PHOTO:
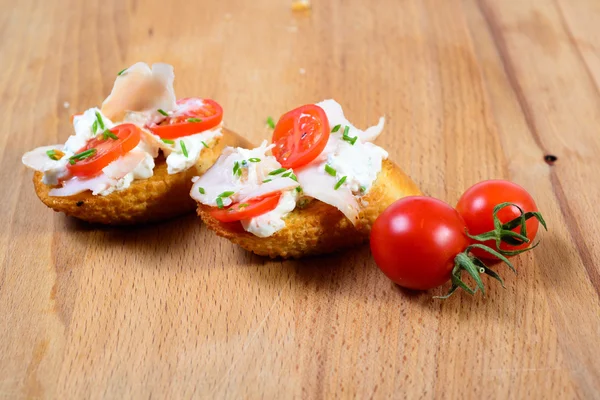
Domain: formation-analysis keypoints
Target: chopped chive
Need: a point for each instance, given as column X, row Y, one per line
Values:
column 298, row 189
column 350, row 140
column 267, row 180
column 236, row 169
column 346, row 130
column 244, row 163
column 168, row 141
column 270, row 122
column 226, row 194
column 194, row 120
column 363, row 189
column 340, row 182
column 336, row 128
column 329, row 170
column 201, row 190
column 163, row 112
column 52, row 154
column 243, row 205
column 277, row 171
column 108, row 134
column 99, row 119
column 254, row 159
column 121, row 72
column 183, row 148
column 219, row 202
column 286, row 174
column 83, row 155
column 95, row 126
column 293, row 176
column 204, row 144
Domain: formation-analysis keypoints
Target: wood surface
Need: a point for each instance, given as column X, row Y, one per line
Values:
column 473, row 89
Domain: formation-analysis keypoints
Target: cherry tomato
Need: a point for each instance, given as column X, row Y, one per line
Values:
column 415, row 240
column 247, row 209
column 192, row 116
column 477, row 204
column 103, row 150
column 300, row 136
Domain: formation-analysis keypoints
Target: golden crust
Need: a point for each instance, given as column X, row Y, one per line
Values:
column 320, row 228
column 160, row 197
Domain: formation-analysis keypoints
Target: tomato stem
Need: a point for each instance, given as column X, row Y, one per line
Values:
column 474, row 267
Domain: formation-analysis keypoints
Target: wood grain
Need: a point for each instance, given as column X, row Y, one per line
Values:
column 472, row 89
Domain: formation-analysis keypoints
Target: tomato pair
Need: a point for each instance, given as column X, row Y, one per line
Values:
column 299, row 137
column 199, row 115
column 421, row 242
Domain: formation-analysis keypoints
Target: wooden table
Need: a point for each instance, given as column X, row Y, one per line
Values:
column 472, row 90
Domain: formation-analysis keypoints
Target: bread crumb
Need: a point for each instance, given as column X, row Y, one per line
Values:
column 300, row 5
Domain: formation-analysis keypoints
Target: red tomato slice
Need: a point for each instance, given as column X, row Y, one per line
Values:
column 247, row 209
column 300, row 136
column 103, row 150
column 208, row 113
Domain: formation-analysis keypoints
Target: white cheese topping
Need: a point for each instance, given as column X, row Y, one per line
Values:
column 351, row 167
column 253, row 177
column 177, row 161
column 267, row 224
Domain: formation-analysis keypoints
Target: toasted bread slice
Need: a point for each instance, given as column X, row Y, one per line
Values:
column 319, row 227
column 159, row 197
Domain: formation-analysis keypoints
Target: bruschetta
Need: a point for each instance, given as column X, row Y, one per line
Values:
column 131, row 160
column 317, row 188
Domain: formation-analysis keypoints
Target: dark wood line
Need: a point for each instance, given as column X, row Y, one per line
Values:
column 572, row 227
column 573, row 42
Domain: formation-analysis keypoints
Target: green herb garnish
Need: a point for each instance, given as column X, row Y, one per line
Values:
column 267, row 180
column 254, row 159
column 236, row 169
column 163, row 112
column 298, row 189
column 194, row 120
column 183, row 148
column 340, row 183
column 108, row 134
column 52, row 154
column 336, row 128
column 329, row 170
column 348, row 138
column 81, row 156
column 277, row 171
column 292, row 176
column 168, row 141
column 95, row 126
column 204, row 144
column 243, row 205
column 121, row 72
column 99, row 119
column 226, row 194
column 270, row 122
column 363, row 189
column 201, row 190
column 219, row 202
column 286, row 174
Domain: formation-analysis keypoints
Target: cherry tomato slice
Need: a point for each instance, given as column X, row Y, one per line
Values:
column 192, row 116
column 106, row 150
column 300, row 136
column 247, row 209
